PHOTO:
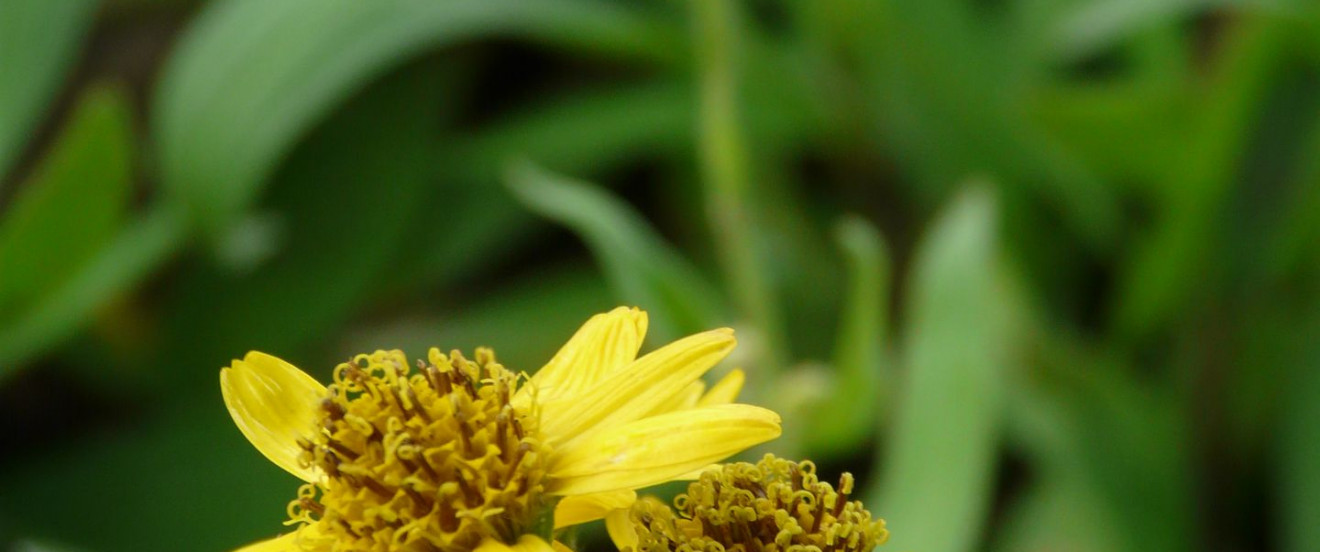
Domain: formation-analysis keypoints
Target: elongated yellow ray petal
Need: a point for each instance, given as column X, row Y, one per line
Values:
column 620, row 528
column 573, row 510
column 274, row 404
column 526, row 543
column 283, row 543
column 636, row 390
column 724, row 391
column 604, row 344
column 657, row 449
column 683, row 400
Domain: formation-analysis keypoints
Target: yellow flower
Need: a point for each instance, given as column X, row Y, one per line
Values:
column 460, row 455
column 772, row 506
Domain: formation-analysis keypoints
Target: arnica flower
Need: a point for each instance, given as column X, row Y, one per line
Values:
column 459, row 455
column 772, row 506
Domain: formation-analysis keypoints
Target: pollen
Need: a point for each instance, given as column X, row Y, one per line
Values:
column 435, row 458
column 774, row 505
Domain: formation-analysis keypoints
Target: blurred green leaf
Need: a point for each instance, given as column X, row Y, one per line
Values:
column 555, row 301
column 1062, row 508
column 39, row 39
column 72, row 204
column 340, row 211
column 1121, row 441
column 851, row 412
column 643, row 269
column 184, row 478
column 64, row 244
column 939, row 462
column 1099, row 24
column 1170, row 267
column 252, row 76
column 1298, row 446
column 136, row 249
column 584, row 131
column 951, row 98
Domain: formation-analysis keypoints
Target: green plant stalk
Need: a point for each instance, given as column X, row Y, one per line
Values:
column 723, row 162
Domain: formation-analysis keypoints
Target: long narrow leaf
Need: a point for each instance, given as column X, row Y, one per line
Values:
column 639, row 264
column 940, row 463
column 252, row 76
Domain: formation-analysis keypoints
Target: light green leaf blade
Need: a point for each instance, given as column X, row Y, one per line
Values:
column 39, row 39
column 940, row 463
column 643, row 269
column 252, row 76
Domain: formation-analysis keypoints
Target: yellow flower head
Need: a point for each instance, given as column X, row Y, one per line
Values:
column 774, row 505
column 460, row 455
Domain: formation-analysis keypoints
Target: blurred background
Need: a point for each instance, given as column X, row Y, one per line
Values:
column 1044, row 274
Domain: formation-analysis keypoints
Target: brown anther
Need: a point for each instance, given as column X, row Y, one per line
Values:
column 471, row 496
column 309, row 504
column 376, row 486
column 342, row 449
column 421, row 504
column 464, row 432
column 333, row 408
column 420, row 411
column 448, row 517
column 518, row 429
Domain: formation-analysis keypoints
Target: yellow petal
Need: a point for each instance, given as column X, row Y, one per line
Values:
column 573, row 510
column 561, row 547
column 637, row 390
column 660, row 448
column 526, row 543
column 273, row 404
column 620, row 527
column 724, row 391
column 685, row 399
column 606, row 343
column 283, row 543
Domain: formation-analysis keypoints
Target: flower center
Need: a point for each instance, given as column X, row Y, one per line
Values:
column 775, row 505
column 433, row 459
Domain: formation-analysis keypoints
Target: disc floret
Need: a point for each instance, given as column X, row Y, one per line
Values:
column 774, row 505
column 436, row 458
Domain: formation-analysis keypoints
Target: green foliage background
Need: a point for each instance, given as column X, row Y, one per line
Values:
column 1044, row 273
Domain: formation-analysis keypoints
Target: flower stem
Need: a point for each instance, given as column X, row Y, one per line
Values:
column 724, row 167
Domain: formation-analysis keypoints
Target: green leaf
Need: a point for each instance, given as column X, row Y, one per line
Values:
column 940, row 460
column 71, row 206
column 851, row 411
column 64, row 244
column 948, row 95
column 252, row 76
column 642, row 268
column 39, row 39
column 135, row 250
column 1170, row 266
column 335, row 217
column 1299, row 449
column 555, row 302
column 1116, row 439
